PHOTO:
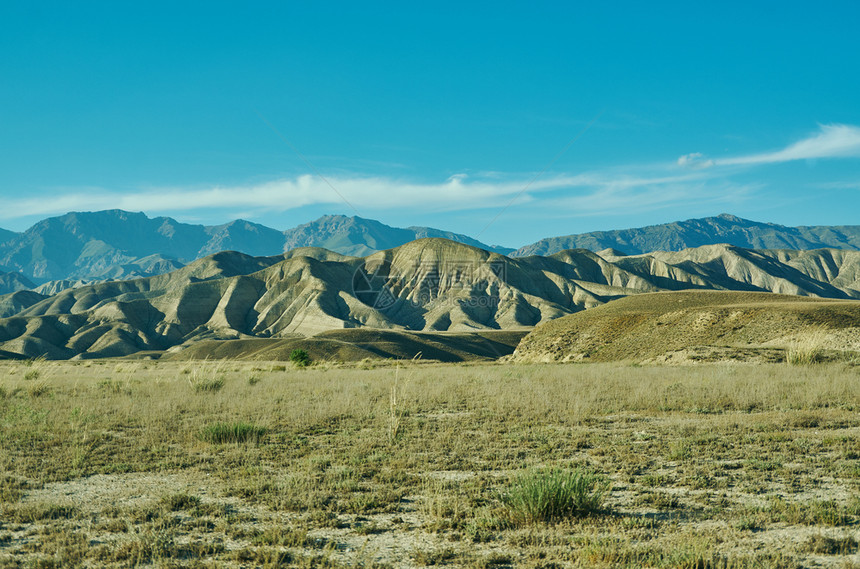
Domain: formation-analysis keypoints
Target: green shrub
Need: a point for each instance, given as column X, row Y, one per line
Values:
column 232, row 433
column 300, row 358
column 548, row 495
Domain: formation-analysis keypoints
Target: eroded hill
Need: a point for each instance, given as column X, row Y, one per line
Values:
column 428, row 285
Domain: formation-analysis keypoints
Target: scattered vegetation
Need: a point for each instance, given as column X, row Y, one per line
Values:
column 827, row 545
column 593, row 465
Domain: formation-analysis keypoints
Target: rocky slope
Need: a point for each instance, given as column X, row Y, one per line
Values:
column 12, row 282
column 358, row 236
column 6, row 235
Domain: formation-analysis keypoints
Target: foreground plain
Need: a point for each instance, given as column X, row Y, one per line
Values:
column 248, row 464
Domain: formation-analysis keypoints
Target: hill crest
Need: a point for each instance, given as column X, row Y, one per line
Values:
column 685, row 327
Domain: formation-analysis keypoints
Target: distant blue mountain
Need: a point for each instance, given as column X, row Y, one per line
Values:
column 117, row 244
column 681, row 235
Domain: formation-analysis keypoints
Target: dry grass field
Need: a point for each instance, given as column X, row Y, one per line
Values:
column 248, row 464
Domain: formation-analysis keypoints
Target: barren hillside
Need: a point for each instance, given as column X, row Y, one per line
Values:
column 697, row 326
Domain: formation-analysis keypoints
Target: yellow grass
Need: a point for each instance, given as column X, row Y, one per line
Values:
column 808, row 348
column 710, row 466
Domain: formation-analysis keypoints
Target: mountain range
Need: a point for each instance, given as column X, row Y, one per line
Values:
column 117, row 244
column 429, row 285
column 723, row 228
column 78, row 248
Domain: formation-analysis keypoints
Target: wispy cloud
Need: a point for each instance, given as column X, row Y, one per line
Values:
column 366, row 193
column 831, row 141
column 624, row 189
column 695, row 161
column 459, row 192
column 614, row 199
column 846, row 185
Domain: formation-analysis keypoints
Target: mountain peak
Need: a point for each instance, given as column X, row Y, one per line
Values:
column 358, row 236
column 732, row 218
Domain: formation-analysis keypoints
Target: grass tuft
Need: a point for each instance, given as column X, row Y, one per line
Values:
column 824, row 544
column 201, row 385
column 549, row 495
column 39, row 388
column 238, row 432
column 206, row 377
column 176, row 502
column 38, row 512
column 807, row 350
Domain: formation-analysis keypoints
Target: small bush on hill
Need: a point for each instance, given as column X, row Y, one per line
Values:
column 300, row 358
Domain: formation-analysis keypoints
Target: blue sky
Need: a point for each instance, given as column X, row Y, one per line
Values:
column 506, row 121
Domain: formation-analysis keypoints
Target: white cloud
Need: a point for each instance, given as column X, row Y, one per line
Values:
column 695, row 161
column 622, row 189
column 832, row 141
column 458, row 192
column 635, row 195
column 363, row 193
